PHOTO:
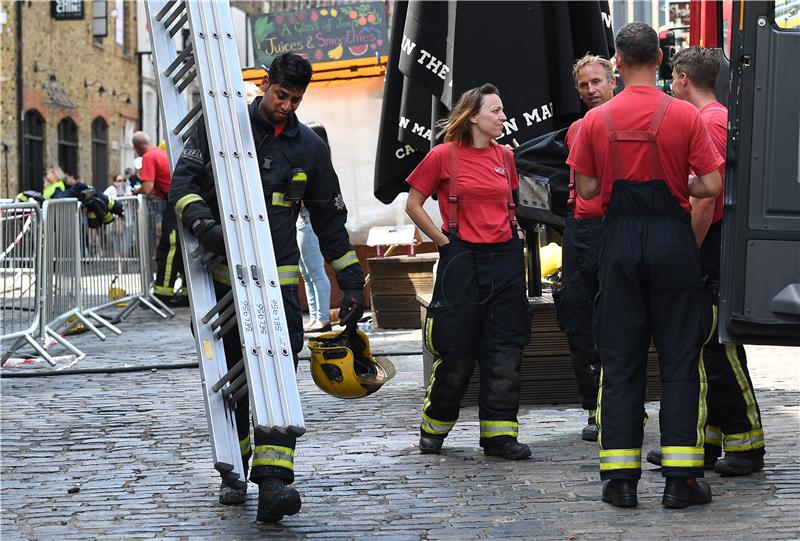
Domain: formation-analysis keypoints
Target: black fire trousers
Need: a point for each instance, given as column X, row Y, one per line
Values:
column 169, row 260
column 479, row 310
column 575, row 301
column 273, row 454
column 650, row 285
column 734, row 418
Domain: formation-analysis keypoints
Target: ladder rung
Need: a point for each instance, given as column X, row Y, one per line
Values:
column 236, row 385
column 226, row 328
column 224, row 317
column 238, row 395
column 188, row 132
column 181, row 72
column 219, row 306
column 187, row 80
column 230, row 374
column 189, row 116
column 178, row 25
column 178, row 59
column 165, row 9
column 174, row 15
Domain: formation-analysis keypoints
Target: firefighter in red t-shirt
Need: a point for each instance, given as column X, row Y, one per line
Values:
column 734, row 419
column 635, row 152
column 156, row 180
column 594, row 79
column 479, row 308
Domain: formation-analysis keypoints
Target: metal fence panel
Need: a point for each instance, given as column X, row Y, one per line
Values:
column 20, row 260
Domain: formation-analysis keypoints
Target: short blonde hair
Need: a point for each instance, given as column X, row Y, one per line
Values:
column 456, row 127
column 58, row 172
column 589, row 59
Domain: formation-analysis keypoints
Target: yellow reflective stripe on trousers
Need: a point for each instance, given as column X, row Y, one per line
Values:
column 346, row 260
column 492, row 429
column 279, row 200
column 429, row 336
column 434, row 426
column 682, row 457
column 289, row 274
column 244, row 446
column 273, row 455
column 713, row 435
column 744, row 442
column 620, row 459
column 427, row 402
column 183, row 202
column 732, row 354
column 702, row 410
column 173, row 248
column 163, row 291
column 597, row 416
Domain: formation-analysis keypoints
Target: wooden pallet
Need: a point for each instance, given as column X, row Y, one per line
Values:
column 547, row 374
column 395, row 283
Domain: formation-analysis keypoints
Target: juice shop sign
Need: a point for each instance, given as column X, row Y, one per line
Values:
column 322, row 34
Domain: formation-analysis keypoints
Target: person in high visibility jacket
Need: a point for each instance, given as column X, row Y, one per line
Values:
column 734, row 418
column 54, row 185
column 634, row 152
column 295, row 168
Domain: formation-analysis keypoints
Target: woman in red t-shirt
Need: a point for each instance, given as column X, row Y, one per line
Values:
column 480, row 307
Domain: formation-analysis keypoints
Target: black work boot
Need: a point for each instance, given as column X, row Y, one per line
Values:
column 276, row 500
column 589, row 432
column 232, row 492
column 621, row 492
column 738, row 464
column 428, row 445
column 510, row 450
column 680, row 492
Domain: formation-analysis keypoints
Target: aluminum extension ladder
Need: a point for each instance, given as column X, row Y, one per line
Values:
column 255, row 303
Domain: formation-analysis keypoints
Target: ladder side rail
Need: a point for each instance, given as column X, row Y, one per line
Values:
column 210, row 350
column 248, row 240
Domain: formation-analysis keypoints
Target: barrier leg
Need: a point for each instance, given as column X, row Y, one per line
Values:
column 46, row 356
column 64, row 342
column 163, row 306
column 83, row 319
column 17, row 343
column 103, row 322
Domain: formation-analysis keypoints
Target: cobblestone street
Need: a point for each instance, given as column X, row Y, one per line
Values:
column 126, row 456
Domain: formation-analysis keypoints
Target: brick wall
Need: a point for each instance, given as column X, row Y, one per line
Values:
column 59, row 59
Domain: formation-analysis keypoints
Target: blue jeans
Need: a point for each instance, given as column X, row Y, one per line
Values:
column 312, row 267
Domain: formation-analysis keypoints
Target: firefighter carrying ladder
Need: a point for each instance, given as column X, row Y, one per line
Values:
column 255, row 303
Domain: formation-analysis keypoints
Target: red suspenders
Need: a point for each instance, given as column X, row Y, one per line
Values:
column 452, row 198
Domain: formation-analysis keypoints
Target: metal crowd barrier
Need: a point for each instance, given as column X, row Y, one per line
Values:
column 20, row 265
column 116, row 263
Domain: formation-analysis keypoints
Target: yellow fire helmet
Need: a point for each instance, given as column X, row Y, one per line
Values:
column 342, row 365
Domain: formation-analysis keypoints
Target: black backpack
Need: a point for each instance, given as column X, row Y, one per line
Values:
column 543, row 180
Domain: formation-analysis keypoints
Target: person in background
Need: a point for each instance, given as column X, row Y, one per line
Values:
column 119, row 187
column 595, row 82
column 312, row 264
column 479, row 308
column 156, row 180
column 734, row 418
column 635, row 152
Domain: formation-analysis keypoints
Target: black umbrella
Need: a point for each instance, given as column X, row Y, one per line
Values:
column 527, row 49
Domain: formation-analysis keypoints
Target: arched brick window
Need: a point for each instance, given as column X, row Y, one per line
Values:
column 99, row 153
column 68, row 146
column 33, row 151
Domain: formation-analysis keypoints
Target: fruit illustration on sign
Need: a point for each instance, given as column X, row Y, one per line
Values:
column 319, row 55
column 336, row 52
column 358, row 50
column 314, row 16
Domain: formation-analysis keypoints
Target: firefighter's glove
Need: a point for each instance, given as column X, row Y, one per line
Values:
column 209, row 233
column 352, row 306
